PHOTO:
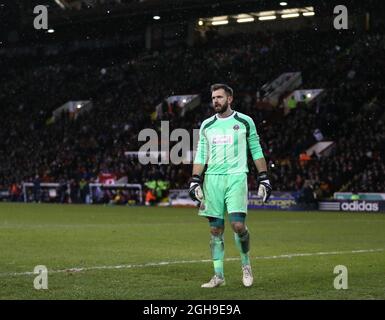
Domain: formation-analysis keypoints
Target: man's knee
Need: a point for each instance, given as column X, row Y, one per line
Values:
column 217, row 226
column 238, row 227
column 216, row 231
column 237, row 220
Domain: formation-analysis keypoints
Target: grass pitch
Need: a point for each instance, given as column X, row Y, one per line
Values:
column 104, row 252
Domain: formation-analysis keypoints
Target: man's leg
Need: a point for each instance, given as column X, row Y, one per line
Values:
column 242, row 241
column 213, row 208
column 217, row 252
column 236, row 201
column 217, row 245
column 241, row 236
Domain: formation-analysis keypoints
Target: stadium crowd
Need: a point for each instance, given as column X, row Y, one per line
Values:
column 125, row 87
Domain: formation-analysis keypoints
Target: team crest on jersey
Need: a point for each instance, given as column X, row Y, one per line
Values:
column 236, row 127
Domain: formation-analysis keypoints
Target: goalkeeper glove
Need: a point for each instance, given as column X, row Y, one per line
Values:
column 263, row 186
column 195, row 190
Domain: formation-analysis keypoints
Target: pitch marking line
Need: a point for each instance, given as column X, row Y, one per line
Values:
column 165, row 263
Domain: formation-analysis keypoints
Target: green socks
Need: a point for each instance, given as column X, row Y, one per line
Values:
column 217, row 253
column 242, row 242
column 217, row 246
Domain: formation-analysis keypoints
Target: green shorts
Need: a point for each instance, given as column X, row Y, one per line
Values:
column 224, row 193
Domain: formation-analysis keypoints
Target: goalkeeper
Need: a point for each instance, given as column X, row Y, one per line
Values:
column 224, row 140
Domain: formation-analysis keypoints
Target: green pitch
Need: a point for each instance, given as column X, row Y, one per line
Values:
column 163, row 253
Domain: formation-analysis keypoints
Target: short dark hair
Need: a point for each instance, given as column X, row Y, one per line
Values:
column 229, row 91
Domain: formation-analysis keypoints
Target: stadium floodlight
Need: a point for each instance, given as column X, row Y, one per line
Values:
column 308, row 14
column 243, row 20
column 79, row 106
column 290, row 15
column 267, row 18
column 51, row 31
column 156, row 17
column 200, row 22
column 219, row 22
column 60, row 4
column 283, row 4
column 266, row 13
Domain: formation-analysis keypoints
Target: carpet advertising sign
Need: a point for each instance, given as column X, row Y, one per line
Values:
column 277, row 201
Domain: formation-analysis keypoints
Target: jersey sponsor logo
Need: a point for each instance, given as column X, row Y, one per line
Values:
column 222, row 139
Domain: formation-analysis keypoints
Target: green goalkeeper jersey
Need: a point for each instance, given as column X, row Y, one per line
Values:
column 224, row 142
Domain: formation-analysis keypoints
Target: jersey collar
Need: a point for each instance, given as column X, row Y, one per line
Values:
column 229, row 117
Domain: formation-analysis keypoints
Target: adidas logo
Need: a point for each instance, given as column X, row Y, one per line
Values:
column 359, row 206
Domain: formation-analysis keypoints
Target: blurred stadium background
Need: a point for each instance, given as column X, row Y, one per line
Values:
column 74, row 97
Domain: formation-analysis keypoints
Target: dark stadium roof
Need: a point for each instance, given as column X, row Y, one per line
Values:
column 85, row 9
column 129, row 15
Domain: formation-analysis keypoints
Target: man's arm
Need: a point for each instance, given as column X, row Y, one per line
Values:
column 255, row 146
column 263, row 182
column 198, row 169
column 200, row 161
column 202, row 153
column 261, row 164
